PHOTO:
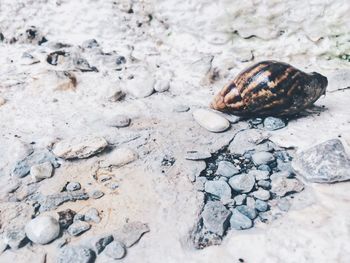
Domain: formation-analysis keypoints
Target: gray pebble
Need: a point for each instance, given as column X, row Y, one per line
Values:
column 242, row 183
column 264, row 167
column 259, row 175
column 260, row 158
column 70, row 254
column 247, row 211
column 97, row 194
column 92, row 215
column 218, row 188
column 226, row 169
column 216, row 217
column 272, row 123
column 240, row 199
column 261, row 206
column 115, row 250
column 73, row 186
column 282, row 186
column 78, row 227
column 250, row 202
column 264, row 184
column 261, row 194
column 239, row 221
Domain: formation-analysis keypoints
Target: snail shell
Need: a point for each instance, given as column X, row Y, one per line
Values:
column 270, row 88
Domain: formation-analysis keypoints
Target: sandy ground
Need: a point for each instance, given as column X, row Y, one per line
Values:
column 198, row 46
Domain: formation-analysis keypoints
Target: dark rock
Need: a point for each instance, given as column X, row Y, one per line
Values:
column 98, row 244
column 324, row 163
column 216, row 217
column 65, row 218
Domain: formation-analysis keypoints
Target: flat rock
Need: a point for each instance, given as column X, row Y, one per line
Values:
column 210, row 120
column 239, row 221
column 65, row 218
column 324, row 163
column 79, row 147
column 14, row 238
column 226, row 169
column 131, row 233
column 120, row 157
column 76, row 254
column 42, row 229
column 260, row 158
column 282, row 186
column 197, row 155
column 115, row 250
column 41, row 171
column 78, row 227
column 242, row 183
column 272, row 123
column 216, row 217
column 247, row 140
column 219, row 189
column 119, row 121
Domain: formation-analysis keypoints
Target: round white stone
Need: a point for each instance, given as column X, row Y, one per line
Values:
column 42, row 229
column 211, row 121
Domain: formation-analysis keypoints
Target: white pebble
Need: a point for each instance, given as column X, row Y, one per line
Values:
column 211, row 121
column 42, row 229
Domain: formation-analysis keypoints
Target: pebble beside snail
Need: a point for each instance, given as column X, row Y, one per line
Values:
column 270, row 88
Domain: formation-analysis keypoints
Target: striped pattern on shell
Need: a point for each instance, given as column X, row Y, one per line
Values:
column 270, row 88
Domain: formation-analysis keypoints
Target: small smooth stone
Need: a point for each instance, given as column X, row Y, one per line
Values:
column 247, row 211
column 70, row 254
column 181, row 108
column 210, row 120
column 261, row 206
column 14, row 238
column 272, row 123
column 2, row 101
column 282, row 186
column 242, row 183
column 41, row 171
column 239, row 221
column 283, row 204
column 115, row 250
column 264, row 184
column 196, row 155
column 42, row 229
column 97, row 194
column 240, row 199
column 140, row 86
column 226, row 169
column 264, row 167
column 260, row 158
column 216, row 217
column 218, row 188
column 119, row 121
column 261, row 194
column 82, row 147
column 78, row 227
column 73, row 186
column 259, row 175
column 92, row 215
column 327, row 162
column 162, row 85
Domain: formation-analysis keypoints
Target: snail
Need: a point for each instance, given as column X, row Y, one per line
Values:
column 270, row 88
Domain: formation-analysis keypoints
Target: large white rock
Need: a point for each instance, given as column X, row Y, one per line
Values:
column 42, row 229
column 210, row 120
column 41, row 171
column 81, row 147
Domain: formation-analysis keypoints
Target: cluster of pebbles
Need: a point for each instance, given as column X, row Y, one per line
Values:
column 244, row 187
